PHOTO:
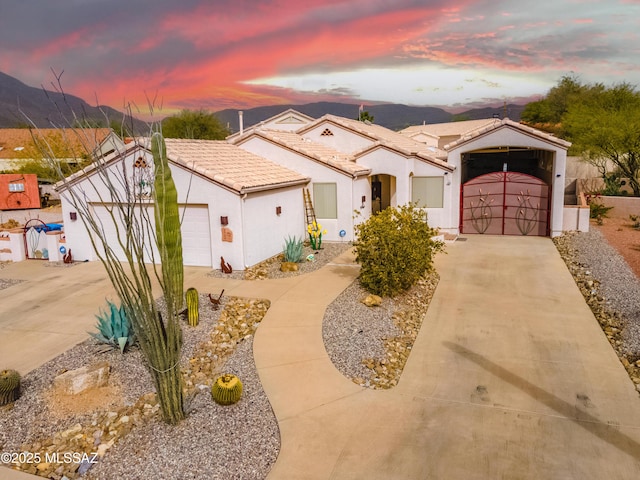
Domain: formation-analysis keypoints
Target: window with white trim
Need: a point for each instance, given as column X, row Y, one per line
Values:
column 427, row 192
column 16, row 187
column 325, row 200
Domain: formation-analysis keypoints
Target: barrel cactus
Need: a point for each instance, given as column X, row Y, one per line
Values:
column 227, row 389
column 192, row 306
column 9, row 386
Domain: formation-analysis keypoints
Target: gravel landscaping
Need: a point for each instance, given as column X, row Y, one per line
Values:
column 122, row 421
column 611, row 289
column 369, row 345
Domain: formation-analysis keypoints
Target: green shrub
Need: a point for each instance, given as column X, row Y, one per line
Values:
column 293, row 248
column 598, row 211
column 114, row 328
column 394, row 248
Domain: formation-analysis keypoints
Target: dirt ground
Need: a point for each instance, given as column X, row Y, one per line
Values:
column 624, row 238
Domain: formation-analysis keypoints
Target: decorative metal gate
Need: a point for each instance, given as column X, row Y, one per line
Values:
column 35, row 239
column 505, row 203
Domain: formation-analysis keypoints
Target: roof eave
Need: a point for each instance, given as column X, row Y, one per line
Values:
column 275, row 186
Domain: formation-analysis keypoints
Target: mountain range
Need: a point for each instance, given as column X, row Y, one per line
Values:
column 21, row 104
column 392, row 116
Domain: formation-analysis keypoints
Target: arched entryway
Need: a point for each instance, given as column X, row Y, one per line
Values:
column 383, row 192
column 505, row 203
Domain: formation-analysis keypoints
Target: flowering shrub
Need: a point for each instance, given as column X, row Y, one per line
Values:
column 395, row 248
column 315, row 235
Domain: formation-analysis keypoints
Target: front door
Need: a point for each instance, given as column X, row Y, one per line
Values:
column 505, row 203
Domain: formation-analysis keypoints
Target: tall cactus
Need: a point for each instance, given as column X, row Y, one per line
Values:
column 192, row 307
column 163, row 344
column 167, row 217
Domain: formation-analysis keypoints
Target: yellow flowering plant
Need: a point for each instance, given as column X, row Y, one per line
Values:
column 315, row 235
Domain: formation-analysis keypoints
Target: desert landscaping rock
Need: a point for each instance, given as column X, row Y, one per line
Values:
column 270, row 268
column 82, row 379
column 611, row 290
column 129, row 439
column 371, row 345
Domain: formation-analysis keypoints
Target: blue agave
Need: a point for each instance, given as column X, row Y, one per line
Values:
column 114, row 328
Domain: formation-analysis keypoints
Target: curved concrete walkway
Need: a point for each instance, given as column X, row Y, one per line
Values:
column 510, row 377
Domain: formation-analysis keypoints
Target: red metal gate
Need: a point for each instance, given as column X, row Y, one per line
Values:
column 505, row 203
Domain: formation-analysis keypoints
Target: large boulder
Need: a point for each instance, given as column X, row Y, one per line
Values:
column 81, row 379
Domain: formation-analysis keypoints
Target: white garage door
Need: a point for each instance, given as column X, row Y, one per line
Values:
column 196, row 234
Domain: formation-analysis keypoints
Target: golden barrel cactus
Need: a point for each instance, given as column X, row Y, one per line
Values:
column 227, row 389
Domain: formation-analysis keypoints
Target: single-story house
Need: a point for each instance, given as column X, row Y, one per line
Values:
column 493, row 176
column 354, row 166
column 235, row 204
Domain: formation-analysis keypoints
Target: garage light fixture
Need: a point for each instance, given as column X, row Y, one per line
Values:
column 224, row 220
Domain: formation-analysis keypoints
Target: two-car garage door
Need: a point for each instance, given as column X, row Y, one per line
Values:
column 196, row 233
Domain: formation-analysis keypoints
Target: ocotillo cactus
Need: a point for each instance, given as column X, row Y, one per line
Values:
column 192, row 307
column 9, row 386
column 168, row 235
column 227, row 389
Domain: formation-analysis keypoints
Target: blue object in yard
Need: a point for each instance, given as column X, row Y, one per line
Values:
column 47, row 227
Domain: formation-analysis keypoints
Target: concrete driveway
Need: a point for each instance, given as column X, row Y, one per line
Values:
column 510, row 377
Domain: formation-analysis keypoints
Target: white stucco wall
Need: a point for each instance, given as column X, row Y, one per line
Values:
column 265, row 230
column 244, row 216
column 342, row 139
column 386, row 162
column 319, row 173
column 514, row 138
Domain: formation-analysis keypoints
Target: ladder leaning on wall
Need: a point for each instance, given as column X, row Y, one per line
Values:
column 308, row 207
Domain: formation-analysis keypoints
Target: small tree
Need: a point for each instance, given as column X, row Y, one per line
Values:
column 365, row 116
column 194, row 124
column 395, row 248
column 605, row 125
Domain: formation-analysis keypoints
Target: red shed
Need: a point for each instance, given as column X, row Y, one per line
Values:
column 19, row 191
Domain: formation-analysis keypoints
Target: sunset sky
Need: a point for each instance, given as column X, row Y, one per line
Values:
column 217, row 54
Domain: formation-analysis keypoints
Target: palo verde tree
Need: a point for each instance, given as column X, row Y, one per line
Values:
column 130, row 213
column 604, row 125
column 195, row 125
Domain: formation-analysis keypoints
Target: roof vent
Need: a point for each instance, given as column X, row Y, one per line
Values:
column 326, row 133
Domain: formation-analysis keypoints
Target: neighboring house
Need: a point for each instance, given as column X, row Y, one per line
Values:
column 234, row 204
column 441, row 134
column 288, row 121
column 69, row 145
column 19, row 191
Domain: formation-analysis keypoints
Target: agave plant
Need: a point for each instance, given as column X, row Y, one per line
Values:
column 114, row 328
column 293, row 249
